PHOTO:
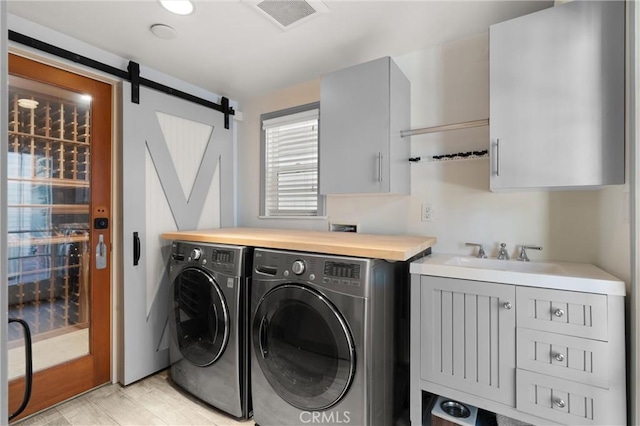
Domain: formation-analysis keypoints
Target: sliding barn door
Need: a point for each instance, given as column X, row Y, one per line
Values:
column 177, row 175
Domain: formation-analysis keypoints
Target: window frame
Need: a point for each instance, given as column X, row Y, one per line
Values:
column 263, row 168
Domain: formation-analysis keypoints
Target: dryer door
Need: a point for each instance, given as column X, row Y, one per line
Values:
column 198, row 316
column 303, row 346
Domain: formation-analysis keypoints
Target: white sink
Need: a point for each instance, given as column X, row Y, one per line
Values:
column 505, row 265
column 558, row 275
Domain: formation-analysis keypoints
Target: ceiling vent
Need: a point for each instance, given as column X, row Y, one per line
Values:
column 289, row 13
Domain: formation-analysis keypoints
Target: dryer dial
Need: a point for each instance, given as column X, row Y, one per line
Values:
column 298, row 267
column 196, row 253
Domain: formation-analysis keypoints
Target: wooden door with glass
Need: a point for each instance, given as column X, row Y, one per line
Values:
column 59, row 231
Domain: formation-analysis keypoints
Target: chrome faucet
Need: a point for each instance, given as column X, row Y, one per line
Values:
column 502, row 252
column 481, row 254
column 523, row 252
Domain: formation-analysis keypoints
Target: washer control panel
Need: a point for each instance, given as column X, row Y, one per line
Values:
column 220, row 258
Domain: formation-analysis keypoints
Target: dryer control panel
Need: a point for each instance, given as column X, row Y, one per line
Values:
column 343, row 274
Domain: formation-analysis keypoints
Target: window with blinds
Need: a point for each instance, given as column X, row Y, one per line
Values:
column 290, row 167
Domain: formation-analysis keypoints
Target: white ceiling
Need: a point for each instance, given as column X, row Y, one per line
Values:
column 227, row 47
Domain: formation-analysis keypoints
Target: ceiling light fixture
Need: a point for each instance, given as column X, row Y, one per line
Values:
column 179, row 7
column 28, row 103
column 163, row 31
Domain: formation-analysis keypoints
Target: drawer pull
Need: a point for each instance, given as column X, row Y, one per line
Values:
column 559, row 313
column 507, row 305
column 560, row 403
column 559, row 357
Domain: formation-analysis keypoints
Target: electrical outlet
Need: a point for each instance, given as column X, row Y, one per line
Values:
column 427, row 212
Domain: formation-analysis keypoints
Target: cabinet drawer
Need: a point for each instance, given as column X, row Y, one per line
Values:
column 572, row 358
column 565, row 312
column 567, row 402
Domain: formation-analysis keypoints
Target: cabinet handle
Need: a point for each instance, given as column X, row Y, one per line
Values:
column 379, row 167
column 560, row 403
column 559, row 357
column 498, row 157
column 559, row 313
column 507, row 305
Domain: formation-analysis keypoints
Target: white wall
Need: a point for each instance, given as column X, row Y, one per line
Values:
column 449, row 84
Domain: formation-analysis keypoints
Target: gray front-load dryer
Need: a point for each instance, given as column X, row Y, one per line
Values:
column 322, row 339
column 208, row 347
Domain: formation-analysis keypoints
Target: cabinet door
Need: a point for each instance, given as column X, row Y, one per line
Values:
column 354, row 129
column 468, row 336
column 557, row 97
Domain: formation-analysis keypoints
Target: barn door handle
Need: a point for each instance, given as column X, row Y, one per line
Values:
column 28, row 360
column 136, row 249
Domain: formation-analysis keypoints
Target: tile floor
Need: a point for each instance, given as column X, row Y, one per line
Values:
column 151, row 401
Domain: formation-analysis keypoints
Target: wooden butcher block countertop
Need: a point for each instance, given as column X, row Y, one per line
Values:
column 389, row 247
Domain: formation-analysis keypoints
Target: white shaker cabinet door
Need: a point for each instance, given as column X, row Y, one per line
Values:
column 468, row 332
column 557, row 97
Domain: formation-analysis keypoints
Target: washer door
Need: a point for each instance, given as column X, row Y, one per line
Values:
column 199, row 317
column 303, row 346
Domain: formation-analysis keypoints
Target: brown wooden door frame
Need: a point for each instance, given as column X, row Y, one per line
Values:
column 66, row 380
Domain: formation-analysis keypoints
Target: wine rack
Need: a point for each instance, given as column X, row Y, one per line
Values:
column 49, row 152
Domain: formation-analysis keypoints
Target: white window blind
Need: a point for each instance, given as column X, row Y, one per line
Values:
column 291, row 164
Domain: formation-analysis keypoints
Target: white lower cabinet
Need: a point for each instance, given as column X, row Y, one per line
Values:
column 543, row 356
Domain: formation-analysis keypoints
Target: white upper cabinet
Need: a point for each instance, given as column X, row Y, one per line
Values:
column 557, row 84
column 363, row 109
